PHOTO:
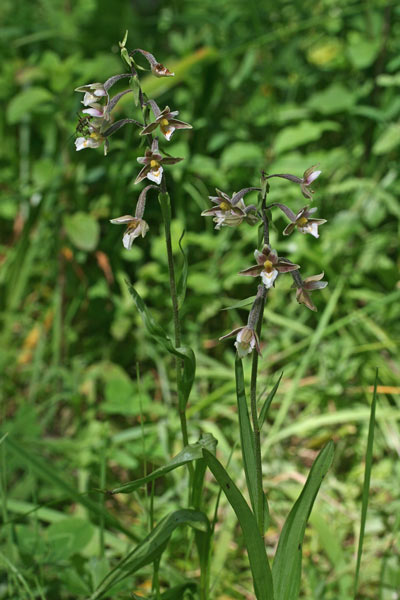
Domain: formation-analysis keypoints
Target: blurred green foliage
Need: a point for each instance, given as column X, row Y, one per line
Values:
column 274, row 86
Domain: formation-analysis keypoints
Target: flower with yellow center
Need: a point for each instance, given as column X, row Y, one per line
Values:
column 231, row 212
column 153, row 161
column 165, row 120
column 303, row 222
column 268, row 266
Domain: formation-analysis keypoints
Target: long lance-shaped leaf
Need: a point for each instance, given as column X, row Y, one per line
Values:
column 286, row 568
column 46, row 472
column 187, row 454
column 157, row 332
column 268, row 400
column 151, row 548
column 246, row 436
column 367, row 481
column 259, row 565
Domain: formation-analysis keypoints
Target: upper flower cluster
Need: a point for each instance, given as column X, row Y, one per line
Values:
column 231, row 211
column 96, row 127
column 98, row 107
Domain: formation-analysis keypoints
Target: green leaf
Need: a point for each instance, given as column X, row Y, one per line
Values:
column 182, row 283
column 152, row 547
column 267, row 403
column 286, row 569
column 333, row 99
column 259, row 565
column 68, row 537
column 388, row 140
column 362, row 50
column 242, row 154
column 83, row 230
column 246, row 437
column 26, row 102
column 367, row 481
column 303, row 133
column 184, row 353
column 186, row 455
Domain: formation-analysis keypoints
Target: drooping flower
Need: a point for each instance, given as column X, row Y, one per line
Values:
column 231, row 212
column 164, row 119
column 303, row 223
column 268, row 266
column 93, row 92
column 135, row 227
column 308, row 285
column 157, row 68
column 309, row 176
column 153, row 161
column 246, row 340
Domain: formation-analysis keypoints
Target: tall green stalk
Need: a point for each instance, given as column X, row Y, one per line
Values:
column 257, row 315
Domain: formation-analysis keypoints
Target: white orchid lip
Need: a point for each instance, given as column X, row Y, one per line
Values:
column 155, row 174
column 167, row 132
column 268, row 278
column 91, row 142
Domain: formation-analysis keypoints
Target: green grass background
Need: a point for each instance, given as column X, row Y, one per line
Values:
column 86, row 398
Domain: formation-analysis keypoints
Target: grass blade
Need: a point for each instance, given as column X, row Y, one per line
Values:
column 286, row 569
column 259, row 565
column 367, row 481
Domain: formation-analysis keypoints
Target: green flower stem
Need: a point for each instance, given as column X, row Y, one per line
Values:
column 256, row 316
column 166, row 211
column 255, row 321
